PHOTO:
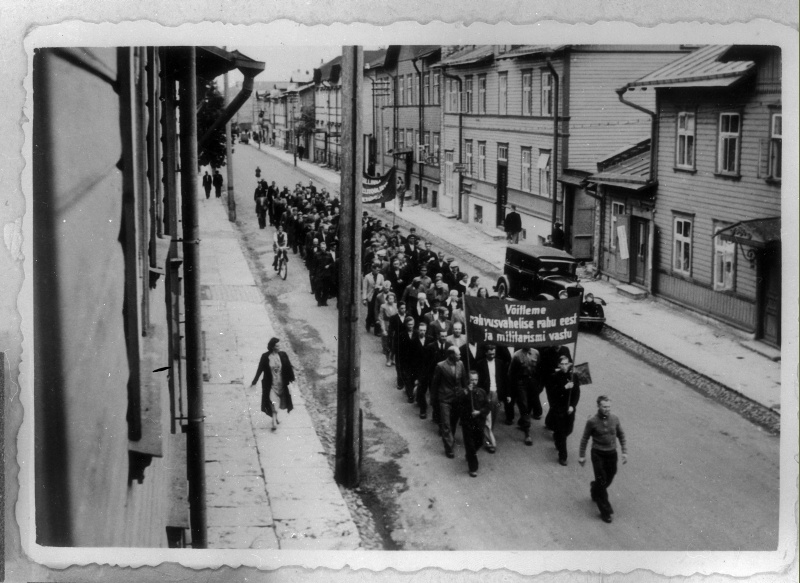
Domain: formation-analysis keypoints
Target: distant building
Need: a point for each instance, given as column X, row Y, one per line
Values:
column 715, row 233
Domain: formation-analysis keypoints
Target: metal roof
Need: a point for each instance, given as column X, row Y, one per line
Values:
column 704, row 67
column 754, row 233
column 467, row 56
column 531, row 50
column 629, row 168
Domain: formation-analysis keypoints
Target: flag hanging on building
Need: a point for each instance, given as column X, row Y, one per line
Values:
column 376, row 189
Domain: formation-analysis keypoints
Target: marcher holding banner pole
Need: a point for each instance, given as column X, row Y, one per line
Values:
column 565, row 393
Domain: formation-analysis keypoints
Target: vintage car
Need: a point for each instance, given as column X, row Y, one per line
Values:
column 536, row 272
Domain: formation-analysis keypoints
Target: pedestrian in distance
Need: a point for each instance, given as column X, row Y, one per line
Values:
column 558, row 236
column 278, row 375
column 604, row 429
column 513, row 225
column 565, row 392
column 473, row 408
column 207, row 180
column 280, row 244
column 217, row 181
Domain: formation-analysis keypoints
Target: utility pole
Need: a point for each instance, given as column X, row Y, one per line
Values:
column 229, row 159
column 348, row 412
column 294, row 133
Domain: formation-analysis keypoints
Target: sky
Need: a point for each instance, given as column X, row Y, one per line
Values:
column 282, row 62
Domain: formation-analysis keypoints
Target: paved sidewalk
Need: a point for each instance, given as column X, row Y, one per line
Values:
column 265, row 490
column 709, row 349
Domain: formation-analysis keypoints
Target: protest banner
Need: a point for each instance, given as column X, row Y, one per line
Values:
column 512, row 323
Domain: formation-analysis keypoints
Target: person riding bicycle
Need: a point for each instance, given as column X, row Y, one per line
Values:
column 280, row 243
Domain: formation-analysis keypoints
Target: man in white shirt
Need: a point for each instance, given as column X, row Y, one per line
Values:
column 493, row 378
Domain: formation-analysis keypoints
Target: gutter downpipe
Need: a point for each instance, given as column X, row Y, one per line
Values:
column 460, row 137
column 420, row 165
column 195, row 443
column 233, row 106
column 651, row 179
column 554, row 156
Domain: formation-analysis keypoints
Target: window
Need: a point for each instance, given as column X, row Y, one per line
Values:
column 502, row 106
column 387, row 133
column 435, row 95
column 409, row 139
column 426, row 89
column 547, row 93
column 527, row 99
column 436, row 145
column 617, row 209
column 776, row 146
column 452, row 96
column 685, row 146
column 527, row 180
column 682, row 250
column 416, row 143
column 502, row 153
column 468, row 156
column 468, row 95
column 728, row 155
column 478, row 216
column 401, row 139
column 482, row 160
column 724, row 257
column 402, row 91
column 481, row 93
column 543, row 165
column 427, row 144
column 410, row 90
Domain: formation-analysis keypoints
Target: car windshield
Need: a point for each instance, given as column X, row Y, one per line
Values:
column 554, row 267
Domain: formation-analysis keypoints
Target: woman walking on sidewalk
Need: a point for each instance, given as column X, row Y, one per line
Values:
column 278, row 375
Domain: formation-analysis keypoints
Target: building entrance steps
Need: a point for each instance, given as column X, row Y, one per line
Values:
column 682, row 336
column 631, row 291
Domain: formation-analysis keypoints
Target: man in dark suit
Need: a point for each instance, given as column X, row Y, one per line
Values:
column 217, row 181
column 207, row 184
column 408, row 350
column 435, row 352
column 420, row 368
column 493, row 378
column 449, row 380
column 513, row 225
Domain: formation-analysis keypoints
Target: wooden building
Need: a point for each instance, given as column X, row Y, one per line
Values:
column 118, row 430
column 407, row 118
column 500, row 120
column 328, row 113
column 718, row 166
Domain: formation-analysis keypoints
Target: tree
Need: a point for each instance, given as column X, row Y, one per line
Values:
column 306, row 123
column 211, row 108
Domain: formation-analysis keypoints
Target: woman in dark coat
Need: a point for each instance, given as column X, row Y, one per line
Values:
column 565, row 392
column 278, row 375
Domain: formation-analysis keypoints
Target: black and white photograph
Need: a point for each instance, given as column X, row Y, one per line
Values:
column 405, row 299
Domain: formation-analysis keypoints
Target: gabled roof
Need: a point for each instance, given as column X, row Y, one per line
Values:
column 374, row 59
column 705, row 67
column 468, row 56
column 329, row 71
column 526, row 50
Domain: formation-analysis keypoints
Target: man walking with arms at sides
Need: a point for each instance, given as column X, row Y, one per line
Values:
column 492, row 377
column 207, row 184
column 406, row 353
column 523, row 378
column 604, row 429
column 420, row 369
column 449, row 380
column 217, row 180
column 513, row 225
column 565, row 392
column 473, row 408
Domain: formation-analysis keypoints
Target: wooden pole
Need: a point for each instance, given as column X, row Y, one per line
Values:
column 348, row 430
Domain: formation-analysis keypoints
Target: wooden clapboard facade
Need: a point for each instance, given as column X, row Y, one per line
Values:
column 111, row 388
column 498, row 121
column 718, row 161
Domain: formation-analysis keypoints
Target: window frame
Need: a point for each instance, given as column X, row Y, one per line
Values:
column 482, row 93
column 721, row 250
column 775, row 146
column 500, row 147
column 684, row 135
column 436, row 144
column 526, row 169
column 502, row 93
column 468, row 81
column 546, row 102
column 468, row 157
column 613, row 242
column 527, row 92
column 435, row 88
column 681, row 241
column 401, row 79
column 482, row 160
column 722, row 141
column 426, row 88
column 409, row 89
column 545, row 178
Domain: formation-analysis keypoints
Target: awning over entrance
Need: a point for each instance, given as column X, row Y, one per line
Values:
column 756, row 233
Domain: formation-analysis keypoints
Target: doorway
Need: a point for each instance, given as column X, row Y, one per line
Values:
column 640, row 236
column 502, row 192
column 771, row 304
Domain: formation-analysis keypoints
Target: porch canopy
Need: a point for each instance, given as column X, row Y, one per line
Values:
column 756, row 233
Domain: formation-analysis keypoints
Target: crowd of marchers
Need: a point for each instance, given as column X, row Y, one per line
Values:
column 413, row 299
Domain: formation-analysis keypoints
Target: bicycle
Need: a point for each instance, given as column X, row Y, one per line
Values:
column 283, row 263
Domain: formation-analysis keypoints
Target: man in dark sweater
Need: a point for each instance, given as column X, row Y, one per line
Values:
column 604, row 429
